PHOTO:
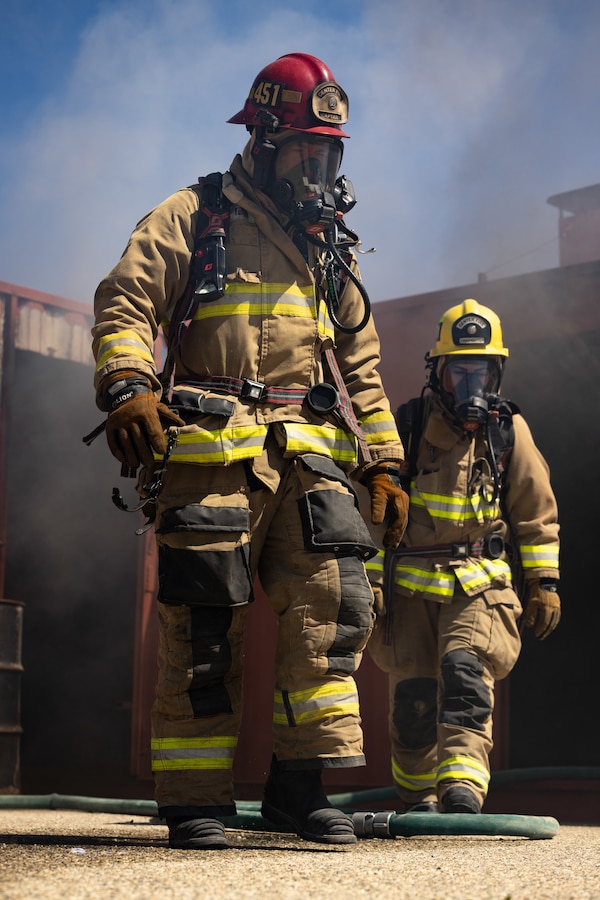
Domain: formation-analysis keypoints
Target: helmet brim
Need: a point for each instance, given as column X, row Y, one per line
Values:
column 241, row 118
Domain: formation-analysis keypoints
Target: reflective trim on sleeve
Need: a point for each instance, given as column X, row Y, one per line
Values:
column 122, row 344
column 193, row 753
column 380, row 428
column 539, row 556
column 463, row 768
column 375, row 565
column 325, row 702
column 426, row 781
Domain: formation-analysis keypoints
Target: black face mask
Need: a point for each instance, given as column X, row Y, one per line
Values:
column 304, row 180
column 466, row 384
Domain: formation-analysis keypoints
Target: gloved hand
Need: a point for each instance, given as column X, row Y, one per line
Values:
column 136, row 419
column 543, row 607
column 378, row 600
column 387, row 499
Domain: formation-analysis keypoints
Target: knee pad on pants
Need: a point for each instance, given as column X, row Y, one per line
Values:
column 465, row 697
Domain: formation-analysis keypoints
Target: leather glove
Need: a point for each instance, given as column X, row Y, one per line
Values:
column 136, row 419
column 387, row 499
column 378, row 600
column 543, row 607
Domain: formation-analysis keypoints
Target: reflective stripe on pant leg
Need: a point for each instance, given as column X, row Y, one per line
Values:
column 323, row 603
column 193, row 756
column 467, row 639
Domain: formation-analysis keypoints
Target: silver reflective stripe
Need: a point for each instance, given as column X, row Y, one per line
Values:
column 193, row 753
column 380, row 428
column 426, row 781
column 122, row 343
column 463, row 768
column 536, row 556
column 317, row 703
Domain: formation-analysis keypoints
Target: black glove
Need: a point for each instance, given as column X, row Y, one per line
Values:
column 387, row 499
column 136, row 419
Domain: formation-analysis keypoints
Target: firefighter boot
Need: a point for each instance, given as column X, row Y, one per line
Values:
column 296, row 799
column 422, row 806
column 187, row 833
column 460, row 799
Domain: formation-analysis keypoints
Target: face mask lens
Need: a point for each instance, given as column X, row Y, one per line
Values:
column 467, row 378
column 310, row 165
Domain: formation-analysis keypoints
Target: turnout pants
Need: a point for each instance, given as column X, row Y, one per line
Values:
column 295, row 523
column 443, row 660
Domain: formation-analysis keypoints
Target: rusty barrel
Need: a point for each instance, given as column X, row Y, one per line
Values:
column 11, row 642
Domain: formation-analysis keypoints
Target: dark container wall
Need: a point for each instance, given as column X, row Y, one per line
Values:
column 71, row 558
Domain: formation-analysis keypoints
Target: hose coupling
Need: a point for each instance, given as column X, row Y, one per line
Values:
column 373, row 824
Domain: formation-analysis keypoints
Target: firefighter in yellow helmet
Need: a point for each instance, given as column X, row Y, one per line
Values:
column 482, row 519
column 274, row 411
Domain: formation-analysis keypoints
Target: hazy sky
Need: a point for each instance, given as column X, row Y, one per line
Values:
column 465, row 116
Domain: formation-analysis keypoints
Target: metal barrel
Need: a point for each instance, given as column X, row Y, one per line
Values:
column 11, row 642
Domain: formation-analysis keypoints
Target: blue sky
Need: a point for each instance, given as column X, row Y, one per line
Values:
column 465, row 116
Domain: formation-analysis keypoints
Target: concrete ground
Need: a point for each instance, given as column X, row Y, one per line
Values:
column 75, row 855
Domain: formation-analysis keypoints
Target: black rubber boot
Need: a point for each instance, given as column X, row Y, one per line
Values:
column 460, row 799
column 296, row 799
column 422, row 806
column 186, row 833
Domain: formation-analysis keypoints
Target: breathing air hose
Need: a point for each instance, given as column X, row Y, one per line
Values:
column 384, row 824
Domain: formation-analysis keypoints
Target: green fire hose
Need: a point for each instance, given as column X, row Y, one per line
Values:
column 383, row 824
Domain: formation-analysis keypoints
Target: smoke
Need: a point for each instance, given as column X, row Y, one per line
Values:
column 464, row 118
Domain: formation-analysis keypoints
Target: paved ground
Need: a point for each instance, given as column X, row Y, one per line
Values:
column 76, row 855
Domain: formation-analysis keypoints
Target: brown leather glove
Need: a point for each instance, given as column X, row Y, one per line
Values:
column 543, row 607
column 387, row 499
column 136, row 419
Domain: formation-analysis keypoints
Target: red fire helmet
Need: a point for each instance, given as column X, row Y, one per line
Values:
column 301, row 92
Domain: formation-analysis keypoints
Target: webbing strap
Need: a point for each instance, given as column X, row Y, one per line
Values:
column 247, row 389
column 454, row 551
column 345, row 407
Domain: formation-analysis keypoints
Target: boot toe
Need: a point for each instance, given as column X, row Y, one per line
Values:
column 460, row 800
column 422, row 806
column 325, row 826
column 196, row 834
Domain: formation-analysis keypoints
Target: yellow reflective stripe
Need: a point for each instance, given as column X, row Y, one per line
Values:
column 223, row 446
column 539, row 556
column 317, row 703
column 424, row 781
column 333, row 442
column 380, row 428
column 193, row 753
column 376, row 563
column 261, row 299
column 229, row 445
column 454, row 509
column 479, row 573
column 463, row 768
column 424, row 580
column 122, row 343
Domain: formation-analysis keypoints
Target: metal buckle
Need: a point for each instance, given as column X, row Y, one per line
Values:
column 460, row 550
column 252, row 390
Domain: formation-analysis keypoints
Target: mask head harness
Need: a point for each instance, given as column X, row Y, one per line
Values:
column 465, row 366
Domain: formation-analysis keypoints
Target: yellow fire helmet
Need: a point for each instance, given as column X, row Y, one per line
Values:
column 469, row 328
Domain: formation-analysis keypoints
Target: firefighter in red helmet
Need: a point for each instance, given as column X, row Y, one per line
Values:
column 483, row 519
column 267, row 415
